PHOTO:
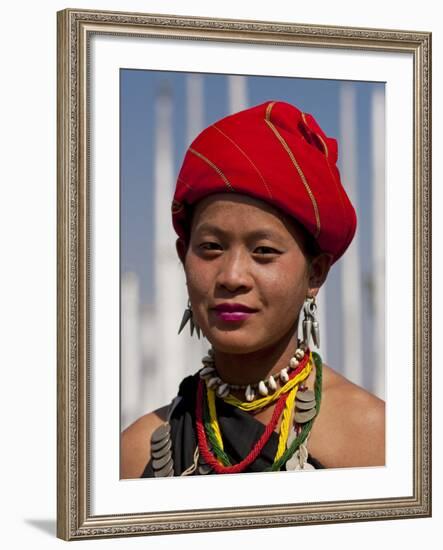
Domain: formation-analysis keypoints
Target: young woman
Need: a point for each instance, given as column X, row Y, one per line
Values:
column 261, row 215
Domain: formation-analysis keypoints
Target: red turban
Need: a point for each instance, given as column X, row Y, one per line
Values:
column 276, row 153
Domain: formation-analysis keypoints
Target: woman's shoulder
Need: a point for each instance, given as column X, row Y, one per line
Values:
column 338, row 387
column 135, row 443
column 350, row 428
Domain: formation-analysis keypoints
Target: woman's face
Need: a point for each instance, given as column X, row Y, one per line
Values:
column 246, row 273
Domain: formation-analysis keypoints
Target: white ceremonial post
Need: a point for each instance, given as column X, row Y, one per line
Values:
column 194, row 106
column 378, row 239
column 351, row 270
column 168, row 293
column 194, row 348
column 321, row 318
column 130, row 348
column 237, row 93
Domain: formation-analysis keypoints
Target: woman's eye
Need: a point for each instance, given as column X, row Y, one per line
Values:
column 210, row 246
column 265, row 250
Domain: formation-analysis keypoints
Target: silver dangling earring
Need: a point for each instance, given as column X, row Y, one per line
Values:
column 188, row 316
column 311, row 326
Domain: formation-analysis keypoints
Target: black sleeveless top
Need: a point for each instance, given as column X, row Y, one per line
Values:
column 240, row 433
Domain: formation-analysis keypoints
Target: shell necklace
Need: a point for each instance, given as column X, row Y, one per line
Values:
column 262, row 388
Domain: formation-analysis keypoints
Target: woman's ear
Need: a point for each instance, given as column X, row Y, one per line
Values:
column 318, row 271
column 181, row 248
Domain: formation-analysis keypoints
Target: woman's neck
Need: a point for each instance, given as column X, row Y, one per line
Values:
column 250, row 368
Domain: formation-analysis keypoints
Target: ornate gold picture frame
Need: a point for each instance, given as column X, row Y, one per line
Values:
column 79, row 515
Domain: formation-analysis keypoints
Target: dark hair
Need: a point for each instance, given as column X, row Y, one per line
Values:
column 309, row 244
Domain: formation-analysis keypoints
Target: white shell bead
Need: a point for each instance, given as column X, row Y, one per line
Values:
column 214, row 382
column 211, row 352
column 293, row 362
column 249, row 393
column 206, row 372
column 208, row 359
column 272, row 384
column 284, row 375
column 303, row 453
column 262, row 389
column 299, row 354
column 223, row 390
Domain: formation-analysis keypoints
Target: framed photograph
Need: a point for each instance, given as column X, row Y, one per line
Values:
column 134, row 91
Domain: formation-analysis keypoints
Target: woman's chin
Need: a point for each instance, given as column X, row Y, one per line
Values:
column 244, row 340
column 234, row 342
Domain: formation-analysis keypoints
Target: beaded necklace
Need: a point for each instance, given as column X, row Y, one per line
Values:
column 208, row 429
column 307, row 426
column 299, row 374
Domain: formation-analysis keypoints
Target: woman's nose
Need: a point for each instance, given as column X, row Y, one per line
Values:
column 234, row 272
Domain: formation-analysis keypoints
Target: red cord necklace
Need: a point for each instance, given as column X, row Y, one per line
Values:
column 203, row 446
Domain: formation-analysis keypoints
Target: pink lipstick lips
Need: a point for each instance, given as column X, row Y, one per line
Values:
column 233, row 312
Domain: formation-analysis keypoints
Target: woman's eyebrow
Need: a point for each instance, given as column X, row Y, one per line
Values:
column 262, row 233
column 210, row 228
